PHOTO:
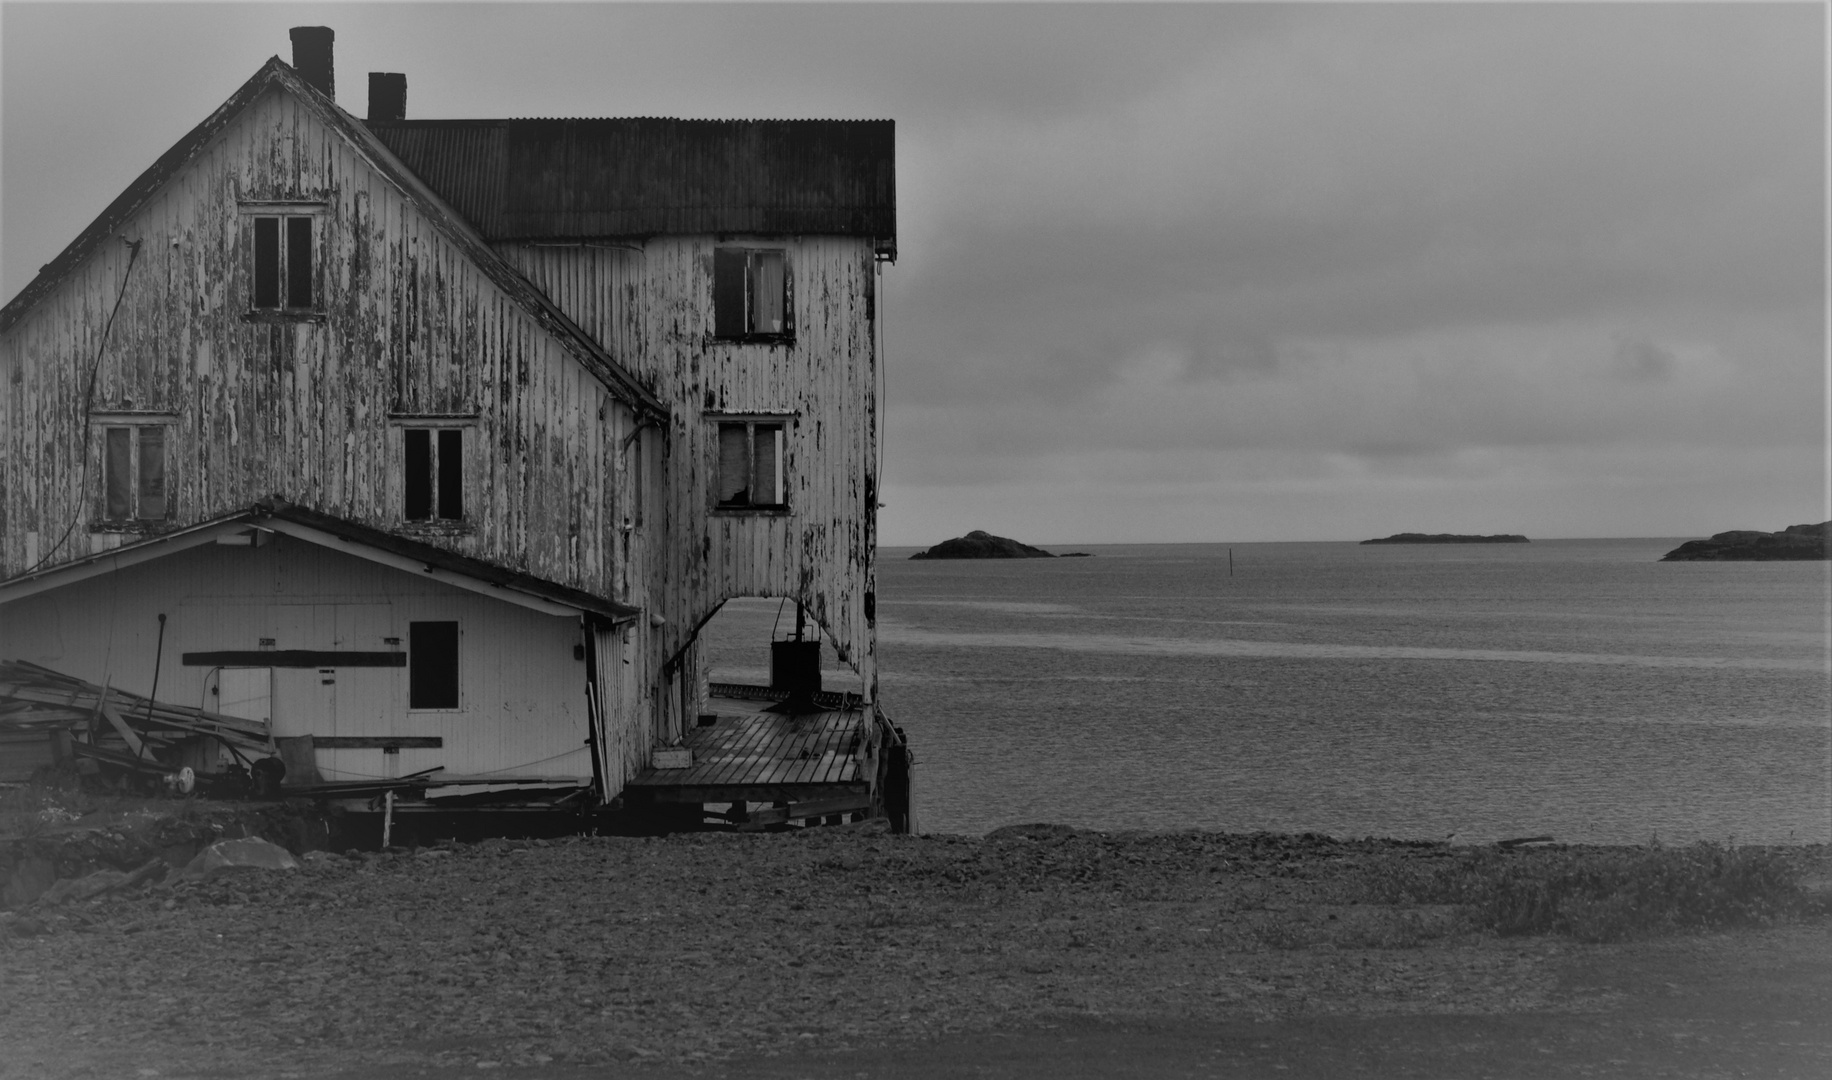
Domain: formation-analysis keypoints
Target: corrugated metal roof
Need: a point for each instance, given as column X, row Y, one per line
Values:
column 579, row 179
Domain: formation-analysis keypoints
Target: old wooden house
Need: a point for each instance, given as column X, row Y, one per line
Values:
column 439, row 441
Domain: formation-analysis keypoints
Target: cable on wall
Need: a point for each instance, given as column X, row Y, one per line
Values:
column 82, row 416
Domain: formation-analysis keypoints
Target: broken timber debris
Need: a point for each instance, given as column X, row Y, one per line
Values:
column 141, row 735
column 158, row 739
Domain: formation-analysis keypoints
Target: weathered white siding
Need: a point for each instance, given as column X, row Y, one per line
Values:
column 651, row 306
column 623, row 692
column 301, row 408
column 522, row 691
column 310, row 410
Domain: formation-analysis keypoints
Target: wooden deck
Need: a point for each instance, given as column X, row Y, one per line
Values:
column 748, row 754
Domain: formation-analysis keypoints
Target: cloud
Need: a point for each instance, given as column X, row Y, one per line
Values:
column 1390, row 250
column 1496, row 386
column 1643, row 361
column 1177, row 266
column 1375, row 175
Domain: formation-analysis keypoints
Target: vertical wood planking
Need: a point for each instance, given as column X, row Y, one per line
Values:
column 650, row 307
column 300, row 409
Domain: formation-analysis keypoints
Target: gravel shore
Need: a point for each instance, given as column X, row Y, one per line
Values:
column 687, row 950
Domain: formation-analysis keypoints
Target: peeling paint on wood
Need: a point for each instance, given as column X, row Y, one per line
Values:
column 299, row 406
column 650, row 304
column 310, row 407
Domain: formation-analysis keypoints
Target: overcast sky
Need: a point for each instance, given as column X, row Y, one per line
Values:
column 1183, row 273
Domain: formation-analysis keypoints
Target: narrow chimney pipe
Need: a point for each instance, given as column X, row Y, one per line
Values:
column 312, row 57
column 387, row 95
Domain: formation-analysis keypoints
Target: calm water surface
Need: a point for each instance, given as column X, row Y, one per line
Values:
column 1575, row 688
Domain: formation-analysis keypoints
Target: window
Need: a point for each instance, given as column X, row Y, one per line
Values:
column 283, row 263
column 432, row 665
column 750, row 295
column 434, row 474
column 750, row 464
column 133, row 474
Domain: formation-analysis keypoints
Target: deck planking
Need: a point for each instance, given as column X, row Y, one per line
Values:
column 750, row 747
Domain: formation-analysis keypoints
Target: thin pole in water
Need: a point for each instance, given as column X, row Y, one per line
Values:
column 1230, row 562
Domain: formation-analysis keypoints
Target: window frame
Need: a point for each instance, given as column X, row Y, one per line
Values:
column 745, row 288
column 782, row 423
column 285, row 266
column 134, row 425
column 435, row 427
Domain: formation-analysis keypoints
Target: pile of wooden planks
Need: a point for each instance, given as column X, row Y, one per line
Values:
column 114, row 725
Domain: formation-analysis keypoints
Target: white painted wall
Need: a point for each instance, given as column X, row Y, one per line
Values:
column 522, row 693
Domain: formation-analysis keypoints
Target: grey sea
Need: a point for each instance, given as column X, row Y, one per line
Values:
column 1579, row 689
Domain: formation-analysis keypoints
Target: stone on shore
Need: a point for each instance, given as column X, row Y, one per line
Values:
column 234, row 856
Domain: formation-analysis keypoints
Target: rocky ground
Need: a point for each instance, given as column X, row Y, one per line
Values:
column 812, row 951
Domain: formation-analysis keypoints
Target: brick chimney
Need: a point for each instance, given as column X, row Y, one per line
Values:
column 387, row 95
column 312, row 57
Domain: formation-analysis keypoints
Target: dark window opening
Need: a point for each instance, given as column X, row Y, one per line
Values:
column 432, row 665
column 283, row 263
column 152, row 472
column 266, row 262
column 118, row 470
column 434, row 474
column 451, row 474
column 638, row 481
column 728, row 266
column 134, row 474
column 299, row 262
column 750, row 465
column 419, row 474
column 750, row 295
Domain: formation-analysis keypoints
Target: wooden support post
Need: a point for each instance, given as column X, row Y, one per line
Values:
column 127, row 734
column 387, row 818
column 812, row 812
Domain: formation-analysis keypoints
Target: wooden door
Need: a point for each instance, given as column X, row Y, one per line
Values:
column 304, row 698
column 367, row 700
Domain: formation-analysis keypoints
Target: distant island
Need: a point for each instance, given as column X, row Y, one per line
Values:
column 1449, row 538
column 1748, row 545
column 979, row 544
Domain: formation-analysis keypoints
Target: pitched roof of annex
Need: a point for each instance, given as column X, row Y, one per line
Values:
column 363, row 541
